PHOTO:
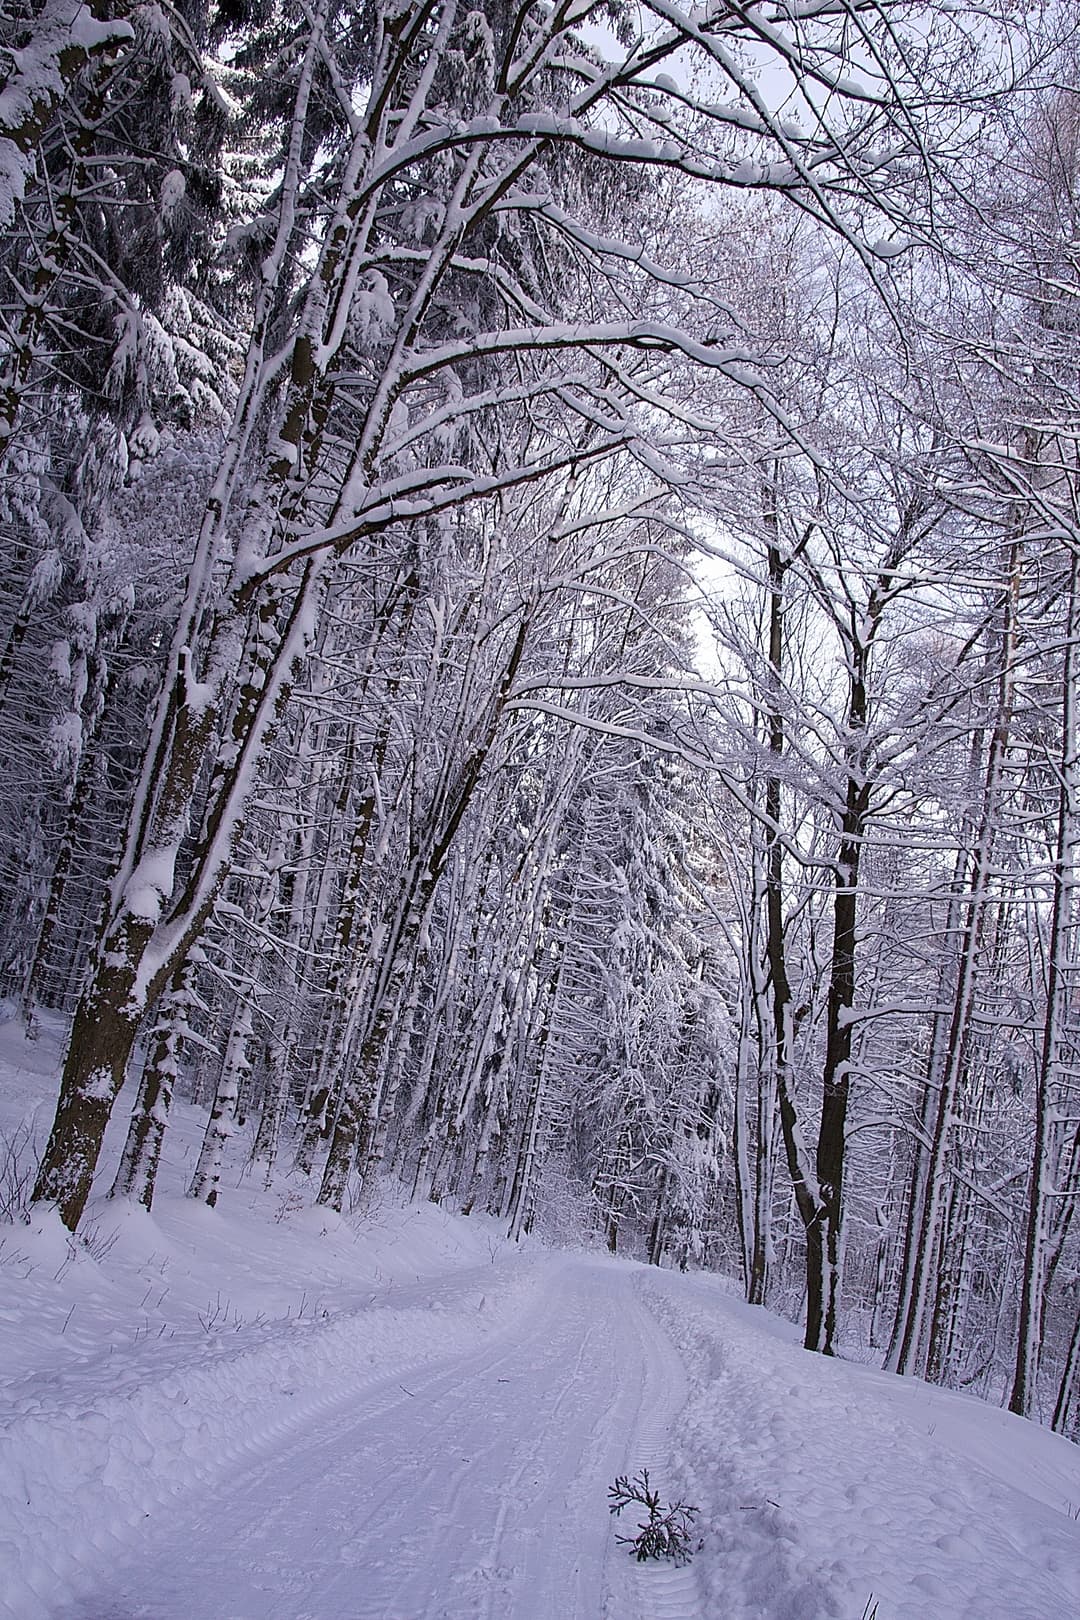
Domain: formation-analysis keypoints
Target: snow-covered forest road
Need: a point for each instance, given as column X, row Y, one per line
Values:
column 443, row 1452
column 474, row 1486
column 267, row 1412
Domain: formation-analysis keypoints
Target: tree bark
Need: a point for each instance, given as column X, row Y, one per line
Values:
column 1032, row 1298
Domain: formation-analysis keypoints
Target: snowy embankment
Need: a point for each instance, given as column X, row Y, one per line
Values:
column 823, row 1482
column 181, row 1343
column 266, row 1412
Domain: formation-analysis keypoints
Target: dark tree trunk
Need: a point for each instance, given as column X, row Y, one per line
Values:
column 106, row 1023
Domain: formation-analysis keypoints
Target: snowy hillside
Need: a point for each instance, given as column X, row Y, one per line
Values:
column 268, row 1412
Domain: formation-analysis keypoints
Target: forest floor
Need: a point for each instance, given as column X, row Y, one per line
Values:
column 264, row 1413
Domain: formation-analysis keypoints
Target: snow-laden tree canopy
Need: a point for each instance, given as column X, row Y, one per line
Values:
column 372, row 381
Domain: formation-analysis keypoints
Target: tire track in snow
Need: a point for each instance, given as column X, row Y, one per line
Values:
column 82, row 1474
column 660, row 1591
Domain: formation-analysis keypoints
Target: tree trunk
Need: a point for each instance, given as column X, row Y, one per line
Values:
column 926, row 1245
column 1029, row 1341
column 103, row 1033
column 219, row 1128
column 137, row 1174
column 1064, row 1419
column 807, row 1200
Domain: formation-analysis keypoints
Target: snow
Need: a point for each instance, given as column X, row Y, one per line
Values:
column 64, row 739
column 172, row 189
column 151, row 883
column 269, row 1412
column 46, row 577
column 35, row 79
column 885, row 248
column 826, row 1482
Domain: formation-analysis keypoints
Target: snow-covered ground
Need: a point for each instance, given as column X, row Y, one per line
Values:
column 261, row 1413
